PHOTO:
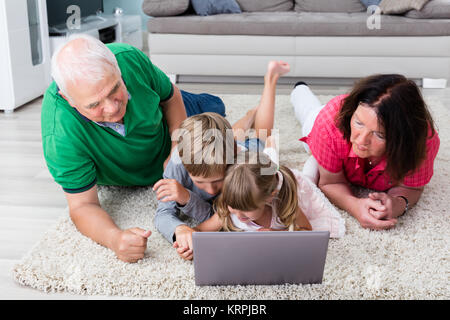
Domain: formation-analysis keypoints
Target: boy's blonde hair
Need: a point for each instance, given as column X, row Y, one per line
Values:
column 206, row 144
column 245, row 188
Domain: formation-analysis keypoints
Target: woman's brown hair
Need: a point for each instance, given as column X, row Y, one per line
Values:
column 246, row 187
column 403, row 114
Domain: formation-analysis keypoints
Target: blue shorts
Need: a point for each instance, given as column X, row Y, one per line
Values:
column 203, row 102
column 252, row 144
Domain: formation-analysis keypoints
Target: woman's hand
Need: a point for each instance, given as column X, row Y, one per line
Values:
column 367, row 213
column 394, row 206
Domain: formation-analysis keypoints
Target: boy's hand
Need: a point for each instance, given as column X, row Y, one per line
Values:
column 184, row 246
column 171, row 190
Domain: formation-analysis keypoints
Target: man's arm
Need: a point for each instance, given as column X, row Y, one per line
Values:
column 174, row 111
column 94, row 222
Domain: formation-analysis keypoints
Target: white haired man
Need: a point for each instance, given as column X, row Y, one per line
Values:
column 107, row 119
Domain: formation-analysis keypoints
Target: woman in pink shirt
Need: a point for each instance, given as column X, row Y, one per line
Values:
column 381, row 136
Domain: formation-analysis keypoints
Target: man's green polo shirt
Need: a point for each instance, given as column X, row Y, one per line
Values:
column 80, row 153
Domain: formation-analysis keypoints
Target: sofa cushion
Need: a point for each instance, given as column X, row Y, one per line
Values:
column 435, row 9
column 401, row 6
column 210, row 7
column 164, row 8
column 298, row 24
column 329, row 6
column 265, row 5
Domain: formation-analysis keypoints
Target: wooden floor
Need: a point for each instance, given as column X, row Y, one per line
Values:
column 30, row 201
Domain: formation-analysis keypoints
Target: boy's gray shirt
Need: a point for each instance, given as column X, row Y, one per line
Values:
column 198, row 207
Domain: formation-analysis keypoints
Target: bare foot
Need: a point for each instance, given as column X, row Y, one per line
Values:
column 277, row 68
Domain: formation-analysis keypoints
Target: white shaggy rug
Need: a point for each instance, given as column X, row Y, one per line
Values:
column 407, row 262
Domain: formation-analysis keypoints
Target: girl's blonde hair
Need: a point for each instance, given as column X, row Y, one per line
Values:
column 245, row 188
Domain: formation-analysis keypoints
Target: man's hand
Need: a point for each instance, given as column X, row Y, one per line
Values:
column 171, row 190
column 130, row 245
column 185, row 249
column 366, row 211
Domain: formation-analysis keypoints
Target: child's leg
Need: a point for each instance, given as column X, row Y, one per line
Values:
column 262, row 116
column 241, row 126
column 265, row 111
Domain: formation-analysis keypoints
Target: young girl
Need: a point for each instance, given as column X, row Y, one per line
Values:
column 254, row 201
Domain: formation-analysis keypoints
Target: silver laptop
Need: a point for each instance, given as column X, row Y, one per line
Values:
column 260, row 257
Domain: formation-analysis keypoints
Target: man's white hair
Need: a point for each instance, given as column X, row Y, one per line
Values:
column 90, row 62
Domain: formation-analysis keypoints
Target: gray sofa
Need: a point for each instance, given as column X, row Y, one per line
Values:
column 340, row 41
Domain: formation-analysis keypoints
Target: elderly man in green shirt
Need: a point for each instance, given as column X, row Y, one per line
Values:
column 107, row 120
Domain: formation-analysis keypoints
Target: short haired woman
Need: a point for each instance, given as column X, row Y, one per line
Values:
column 381, row 136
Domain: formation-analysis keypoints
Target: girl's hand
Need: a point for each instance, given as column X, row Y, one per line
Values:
column 270, row 229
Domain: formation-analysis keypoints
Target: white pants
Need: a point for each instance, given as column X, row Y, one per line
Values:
column 306, row 108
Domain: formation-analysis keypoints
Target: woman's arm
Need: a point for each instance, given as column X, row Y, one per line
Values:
column 393, row 201
column 336, row 187
column 212, row 224
column 411, row 193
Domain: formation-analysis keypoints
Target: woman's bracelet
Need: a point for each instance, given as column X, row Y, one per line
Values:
column 406, row 202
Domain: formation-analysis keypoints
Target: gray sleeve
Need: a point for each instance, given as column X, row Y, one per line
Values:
column 166, row 219
column 166, row 216
column 197, row 208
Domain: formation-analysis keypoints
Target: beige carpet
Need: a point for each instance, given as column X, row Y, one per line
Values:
column 408, row 262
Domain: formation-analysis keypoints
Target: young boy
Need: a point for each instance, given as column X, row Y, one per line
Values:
column 194, row 175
